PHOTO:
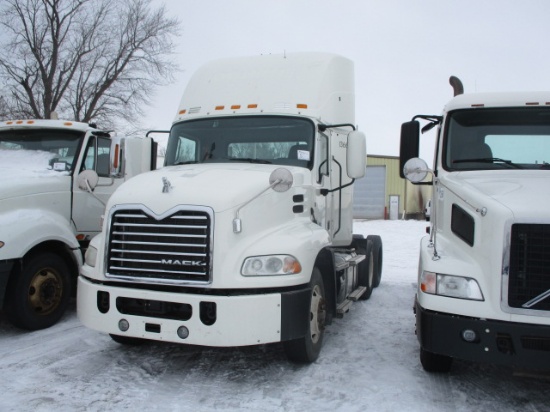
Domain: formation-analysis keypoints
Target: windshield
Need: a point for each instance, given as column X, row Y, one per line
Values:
column 510, row 138
column 39, row 149
column 251, row 139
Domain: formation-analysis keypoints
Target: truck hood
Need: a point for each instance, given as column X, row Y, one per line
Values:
column 32, row 183
column 219, row 186
column 525, row 193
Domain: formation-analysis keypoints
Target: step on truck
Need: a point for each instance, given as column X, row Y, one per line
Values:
column 245, row 237
column 484, row 273
column 55, row 178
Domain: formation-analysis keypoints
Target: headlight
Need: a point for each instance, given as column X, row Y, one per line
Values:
column 271, row 265
column 451, row 286
column 91, row 256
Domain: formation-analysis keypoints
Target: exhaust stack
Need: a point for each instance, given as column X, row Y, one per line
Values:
column 458, row 88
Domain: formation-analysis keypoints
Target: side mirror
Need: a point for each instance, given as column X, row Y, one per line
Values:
column 410, row 143
column 356, row 156
column 415, row 170
column 87, row 180
column 281, row 179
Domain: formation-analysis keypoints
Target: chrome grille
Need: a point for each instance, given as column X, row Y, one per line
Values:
column 529, row 282
column 171, row 249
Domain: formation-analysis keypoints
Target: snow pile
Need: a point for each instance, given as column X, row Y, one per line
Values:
column 20, row 163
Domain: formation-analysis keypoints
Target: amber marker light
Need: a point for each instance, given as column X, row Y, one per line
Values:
column 115, row 162
column 291, row 265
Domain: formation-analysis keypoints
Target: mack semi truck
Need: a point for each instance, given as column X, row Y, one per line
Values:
column 245, row 236
column 484, row 269
column 55, row 178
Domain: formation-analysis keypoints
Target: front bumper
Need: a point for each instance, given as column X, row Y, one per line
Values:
column 505, row 343
column 232, row 320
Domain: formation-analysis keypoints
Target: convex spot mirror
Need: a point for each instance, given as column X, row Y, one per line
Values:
column 356, row 156
column 415, row 170
column 87, row 180
column 281, row 179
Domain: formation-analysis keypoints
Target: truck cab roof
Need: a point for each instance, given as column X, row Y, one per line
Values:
column 498, row 99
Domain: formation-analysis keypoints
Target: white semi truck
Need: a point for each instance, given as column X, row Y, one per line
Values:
column 245, row 236
column 55, row 178
column 484, row 272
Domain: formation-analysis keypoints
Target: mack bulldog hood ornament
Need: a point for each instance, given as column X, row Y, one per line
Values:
column 166, row 185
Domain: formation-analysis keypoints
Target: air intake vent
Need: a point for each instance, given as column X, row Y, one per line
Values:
column 175, row 249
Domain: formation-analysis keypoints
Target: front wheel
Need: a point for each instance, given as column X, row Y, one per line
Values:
column 40, row 293
column 307, row 348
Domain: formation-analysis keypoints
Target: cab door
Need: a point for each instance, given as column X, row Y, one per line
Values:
column 87, row 208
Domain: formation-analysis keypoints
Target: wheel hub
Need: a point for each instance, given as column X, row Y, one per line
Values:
column 45, row 291
column 317, row 314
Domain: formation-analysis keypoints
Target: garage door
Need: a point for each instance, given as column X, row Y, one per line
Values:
column 369, row 194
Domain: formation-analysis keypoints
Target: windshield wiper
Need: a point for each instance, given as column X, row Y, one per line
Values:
column 188, row 162
column 489, row 160
column 249, row 159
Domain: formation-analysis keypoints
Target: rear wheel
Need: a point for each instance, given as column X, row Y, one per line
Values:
column 433, row 362
column 307, row 349
column 378, row 257
column 366, row 268
column 39, row 295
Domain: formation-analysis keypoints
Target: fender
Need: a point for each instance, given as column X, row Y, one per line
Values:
column 23, row 229
column 299, row 237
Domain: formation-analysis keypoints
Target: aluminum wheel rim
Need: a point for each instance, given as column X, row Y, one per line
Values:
column 317, row 314
column 45, row 291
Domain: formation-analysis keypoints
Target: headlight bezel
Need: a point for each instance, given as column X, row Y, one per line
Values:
column 90, row 257
column 451, row 286
column 270, row 265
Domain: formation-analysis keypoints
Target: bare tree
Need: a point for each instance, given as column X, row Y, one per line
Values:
column 86, row 60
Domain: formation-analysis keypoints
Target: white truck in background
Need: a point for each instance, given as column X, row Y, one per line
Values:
column 55, row 178
column 484, row 270
column 245, row 236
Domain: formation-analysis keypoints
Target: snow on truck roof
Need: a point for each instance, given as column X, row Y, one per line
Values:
column 319, row 85
column 499, row 99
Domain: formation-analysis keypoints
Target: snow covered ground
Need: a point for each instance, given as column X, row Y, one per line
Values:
column 369, row 362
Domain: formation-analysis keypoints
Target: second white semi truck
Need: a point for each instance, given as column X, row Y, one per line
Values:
column 484, row 272
column 245, row 237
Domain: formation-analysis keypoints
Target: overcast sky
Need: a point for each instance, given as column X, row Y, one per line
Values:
column 404, row 50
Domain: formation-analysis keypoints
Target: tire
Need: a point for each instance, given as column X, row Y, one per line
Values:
column 38, row 295
column 377, row 251
column 433, row 362
column 366, row 268
column 127, row 340
column 307, row 349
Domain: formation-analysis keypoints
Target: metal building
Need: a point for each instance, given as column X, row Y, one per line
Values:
column 383, row 194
